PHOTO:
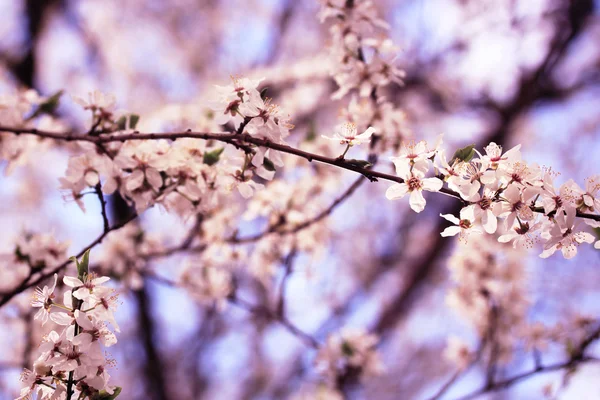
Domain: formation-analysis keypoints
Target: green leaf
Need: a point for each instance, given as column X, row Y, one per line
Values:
column 212, row 157
column 311, row 134
column 83, row 266
column 133, row 120
column 103, row 395
column 268, row 164
column 465, row 154
column 358, row 163
column 597, row 232
column 121, row 123
column 49, row 106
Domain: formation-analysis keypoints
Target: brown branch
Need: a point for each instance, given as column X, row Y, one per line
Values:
column 27, row 282
column 500, row 385
column 238, row 140
column 256, row 310
column 263, row 311
column 186, row 244
column 153, row 367
column 577, row 357
column 100, row 195
column 289, row 261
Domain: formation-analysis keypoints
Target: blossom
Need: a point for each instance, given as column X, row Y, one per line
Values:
column 413, row 156
column 495, row 158
column 97, row 100
column 86, row 170
column 41, row 250
column 91, row 330
column 102, row 305
column 229, row 99
column 84, row 289
column 521, row 235
column 562, row 235
column 515, row 205
column 591, row 197
column 452, row 173
column 75, row 348
column 208, row 283
column 414, row 183
column 485, row 210
column 473, row 175
column 463, row 226
column 42, row 299
column 349, row 348
column 457, row 352
column 348, row 134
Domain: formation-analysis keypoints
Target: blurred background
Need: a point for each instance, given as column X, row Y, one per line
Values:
column 507, row 71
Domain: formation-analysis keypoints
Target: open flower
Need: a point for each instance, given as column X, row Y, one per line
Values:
column 413, row 156
column 521, row 235
column 97, row 101
column 92, row 330
column 463, row 226
column 42, row 298
column 563, row 236
column 485, row 210
column 348, row 134
column 83, row 290
column 414, row 183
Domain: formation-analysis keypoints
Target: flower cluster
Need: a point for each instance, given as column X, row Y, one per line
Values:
column 500, row 185
column 209, row 277
column 186, row 175
column 71, row 362
column 32, row 253
column 354, row 38
column 490, row 293
column 363, row 60
column 348, row 354
column 19, row 110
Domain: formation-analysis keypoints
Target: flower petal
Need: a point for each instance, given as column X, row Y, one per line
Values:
column 451, row 231
column 396, row 191
column 432, row 184
column 417, row 201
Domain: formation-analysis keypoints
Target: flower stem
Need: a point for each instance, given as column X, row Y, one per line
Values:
column 345, row 151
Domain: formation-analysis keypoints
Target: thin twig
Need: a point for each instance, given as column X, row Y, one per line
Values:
column 289, row 261
column 254, row 309
column 27, row 283
column 100, row 195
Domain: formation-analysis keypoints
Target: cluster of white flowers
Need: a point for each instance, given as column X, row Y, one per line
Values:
column 71, row 358
column 209, row 277
column 350, row 352
column 186, row 175
column 18, row 110
column 490, row 293
column 41, row 250
column 32, row 253
column 498, row 185
column 354, row 38
column 363, row 60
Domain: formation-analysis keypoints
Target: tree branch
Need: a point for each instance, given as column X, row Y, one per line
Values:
column 27, row 282
column 237, row 140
